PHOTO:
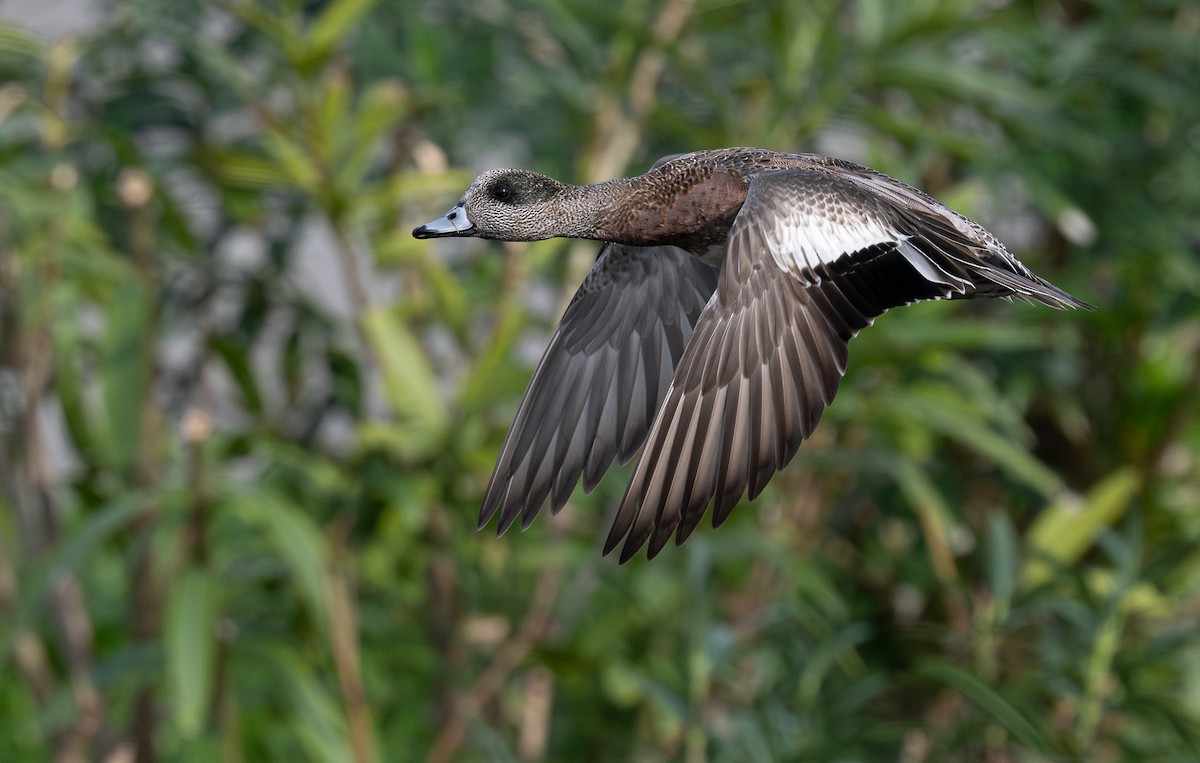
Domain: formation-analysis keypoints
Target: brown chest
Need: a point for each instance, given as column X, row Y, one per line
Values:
column 693, row 211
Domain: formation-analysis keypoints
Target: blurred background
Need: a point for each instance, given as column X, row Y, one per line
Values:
column 246, row 420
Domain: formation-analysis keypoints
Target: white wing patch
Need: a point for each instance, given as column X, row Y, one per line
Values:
column 816, row 234
column 823, row 227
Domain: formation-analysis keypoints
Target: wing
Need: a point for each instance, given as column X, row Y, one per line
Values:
column 596, row 389
column 813, row 257
column 955, row 243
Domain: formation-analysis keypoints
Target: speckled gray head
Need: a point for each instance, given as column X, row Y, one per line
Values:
column 508, row 205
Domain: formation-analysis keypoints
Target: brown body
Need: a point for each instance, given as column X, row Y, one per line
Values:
column 691, row 200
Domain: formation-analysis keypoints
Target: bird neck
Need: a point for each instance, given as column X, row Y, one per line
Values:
column 597, row 211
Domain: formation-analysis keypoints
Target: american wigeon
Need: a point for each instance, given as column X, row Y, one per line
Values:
column 714, row 324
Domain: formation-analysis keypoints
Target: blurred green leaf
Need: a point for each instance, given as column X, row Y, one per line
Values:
column 19, row 44
column 1068, row 527
column 247, row 170
column 294, row 537
column 124, row 370
column 410, row 384
column 100, row 526
column 321, row 729
column 293, row 160
column 69, row 350
column 931, row 509
column 378, row 110
column 327, row 130
column 190, row 641
column 996, row 706
column 335, row 21
column 826, row 657
column 1004, row 559
column 236, row 357
column 976, row 434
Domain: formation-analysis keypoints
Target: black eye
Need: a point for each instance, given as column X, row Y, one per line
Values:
column 501, row 192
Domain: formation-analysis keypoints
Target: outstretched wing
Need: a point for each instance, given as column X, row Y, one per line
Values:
column 596, row 389
column 813, row 257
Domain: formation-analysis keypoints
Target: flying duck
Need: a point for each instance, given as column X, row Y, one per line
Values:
column 714, row 326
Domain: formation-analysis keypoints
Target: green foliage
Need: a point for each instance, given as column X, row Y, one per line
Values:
column 246, row 420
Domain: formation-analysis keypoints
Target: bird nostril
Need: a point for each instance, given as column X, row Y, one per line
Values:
column 452, row 215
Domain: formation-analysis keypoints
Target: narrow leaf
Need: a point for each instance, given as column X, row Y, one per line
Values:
column 933, row 514
column 191, row 649
column 322, row 730
column 1068, row 527
column 124, row 366
column 334, row 22
column 988, row 700
column 1003, row 557
column 295, row 538
column 409, row 382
